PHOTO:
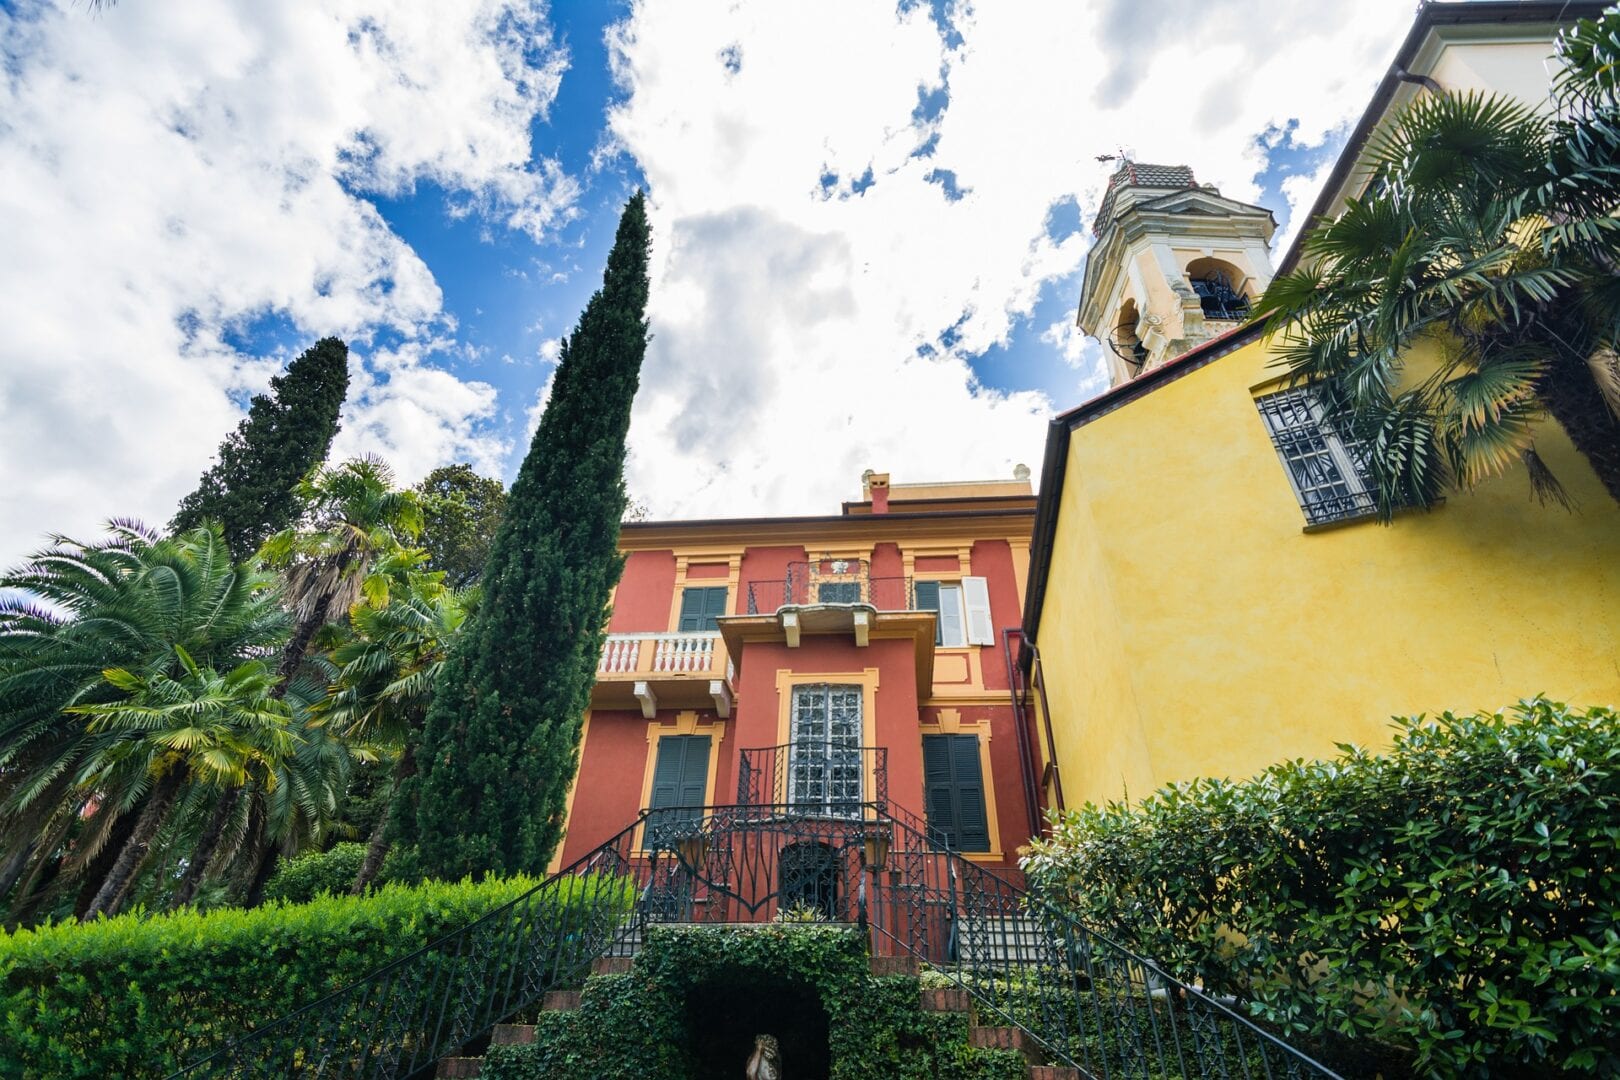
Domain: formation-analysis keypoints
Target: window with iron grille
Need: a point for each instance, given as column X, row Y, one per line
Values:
column 1326, row 466
column 824, row 762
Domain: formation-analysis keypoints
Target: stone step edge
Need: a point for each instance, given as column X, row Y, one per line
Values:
column 1006, row 1038
column 458, row 1068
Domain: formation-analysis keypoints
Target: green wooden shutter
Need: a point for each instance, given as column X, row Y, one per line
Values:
column 700, row 607
column 928, row 600
column 680, row 778
column 954, row 791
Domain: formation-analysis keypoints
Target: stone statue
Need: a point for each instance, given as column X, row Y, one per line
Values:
column 765, row 1063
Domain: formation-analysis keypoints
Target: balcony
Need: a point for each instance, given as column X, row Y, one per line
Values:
column 830, row 581
column 672, row 670
column 817, row 779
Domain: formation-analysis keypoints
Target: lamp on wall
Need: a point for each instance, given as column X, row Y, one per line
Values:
column 692, row 849
column 875, row 844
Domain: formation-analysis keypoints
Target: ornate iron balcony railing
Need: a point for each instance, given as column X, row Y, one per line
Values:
column 830, row 581
column 815, row 778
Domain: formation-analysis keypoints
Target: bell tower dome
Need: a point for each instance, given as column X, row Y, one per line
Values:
column 1174, row 263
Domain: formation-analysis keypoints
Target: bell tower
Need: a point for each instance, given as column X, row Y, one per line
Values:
column 1174, row 263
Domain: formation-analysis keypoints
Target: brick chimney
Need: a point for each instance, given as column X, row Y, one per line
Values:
column 876, row 487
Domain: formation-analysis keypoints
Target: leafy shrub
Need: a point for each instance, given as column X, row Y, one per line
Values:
column 1458, row 895
column 301, row 879
column 135, row 996
column 631, row 1026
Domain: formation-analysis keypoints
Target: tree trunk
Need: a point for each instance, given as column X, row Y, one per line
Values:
column 293, row 655
column 14, row 867
column 1574, row 400
column 377, row 850
column 207, row 845
column 134, row 850
column 96, row 873
column 261, row 874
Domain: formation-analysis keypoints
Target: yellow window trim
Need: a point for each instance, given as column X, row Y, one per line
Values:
column 686, row 723
column 866, row 679
column 949, row 722
column 733, row 561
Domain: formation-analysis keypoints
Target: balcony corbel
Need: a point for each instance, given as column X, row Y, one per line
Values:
column 790, row 628
column 863, row 626
column 649, row 701
column 722, row 697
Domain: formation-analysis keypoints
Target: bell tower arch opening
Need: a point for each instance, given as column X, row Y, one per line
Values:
column 1174, row 264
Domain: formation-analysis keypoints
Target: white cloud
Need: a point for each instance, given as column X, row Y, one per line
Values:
column 173, row 172
column 818, row 291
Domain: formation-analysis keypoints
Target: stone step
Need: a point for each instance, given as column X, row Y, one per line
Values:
column 611, row 965
column 456, row 1068
column 512, row 1035
column 894, row 965
column 561, row 1000
column 1054, row 1072
column 1006, row 1038
column 947, row 999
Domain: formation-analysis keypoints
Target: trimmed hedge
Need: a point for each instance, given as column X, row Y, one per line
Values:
column 135, row 996
column 631, row 1027
column 1457, row 895
column 304, row 877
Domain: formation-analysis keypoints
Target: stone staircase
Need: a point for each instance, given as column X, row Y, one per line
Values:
column 947, row 1000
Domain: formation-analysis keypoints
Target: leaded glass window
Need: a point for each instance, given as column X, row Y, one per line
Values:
column 824, row 762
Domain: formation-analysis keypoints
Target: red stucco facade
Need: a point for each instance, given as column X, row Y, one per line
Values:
column 739, row 678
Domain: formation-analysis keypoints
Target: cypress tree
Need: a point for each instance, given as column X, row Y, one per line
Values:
column 501, row 740
column 248, row 491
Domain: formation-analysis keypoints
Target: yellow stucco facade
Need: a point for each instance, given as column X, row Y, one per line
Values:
column 1190, row 626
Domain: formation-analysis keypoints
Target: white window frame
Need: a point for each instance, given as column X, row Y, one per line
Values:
column 1323, row 468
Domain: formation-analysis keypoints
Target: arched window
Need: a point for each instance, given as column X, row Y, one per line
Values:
column 1124, row 340
column 1214, row 282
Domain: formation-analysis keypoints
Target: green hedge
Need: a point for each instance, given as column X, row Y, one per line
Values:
column 631, row 1027
column 135, row 996
column 1457, row 895
column 301, row 879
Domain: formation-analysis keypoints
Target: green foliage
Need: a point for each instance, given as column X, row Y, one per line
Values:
column 134, row 603
column 249, row 490
column 1456, row 895
column 501, row 739
column 632, row 1026
column 137, row 997
column 1490, row 231
column 301, row 879
column 460, row 513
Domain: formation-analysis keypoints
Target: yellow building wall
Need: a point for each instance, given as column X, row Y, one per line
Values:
column 1190, row 627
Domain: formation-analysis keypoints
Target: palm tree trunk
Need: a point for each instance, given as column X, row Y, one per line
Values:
column 96, row 873
column 1574, row 400
column 134, row 850
column 293, row 655
column 377, row 850
column 14, row 866
column 207, row 845
column 261, row 874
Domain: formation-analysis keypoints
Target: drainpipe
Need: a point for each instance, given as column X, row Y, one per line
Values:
column 1038, row 680
column 1026, row 754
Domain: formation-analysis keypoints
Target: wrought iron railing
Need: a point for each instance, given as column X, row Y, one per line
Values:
column 883, row 593
column 827, row 778
column 1086, row 1000
column 406, row 1015
column 1090, row 1002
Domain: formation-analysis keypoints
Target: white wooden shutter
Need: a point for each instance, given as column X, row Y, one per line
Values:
column 976, row 598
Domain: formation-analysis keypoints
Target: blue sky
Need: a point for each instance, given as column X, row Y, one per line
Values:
column 869, row 221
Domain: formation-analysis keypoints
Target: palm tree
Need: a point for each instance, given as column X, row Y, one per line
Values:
column 1488, row 234
column 387, row 666
column 354, row 516
column 79, row 609
column 200, row 726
